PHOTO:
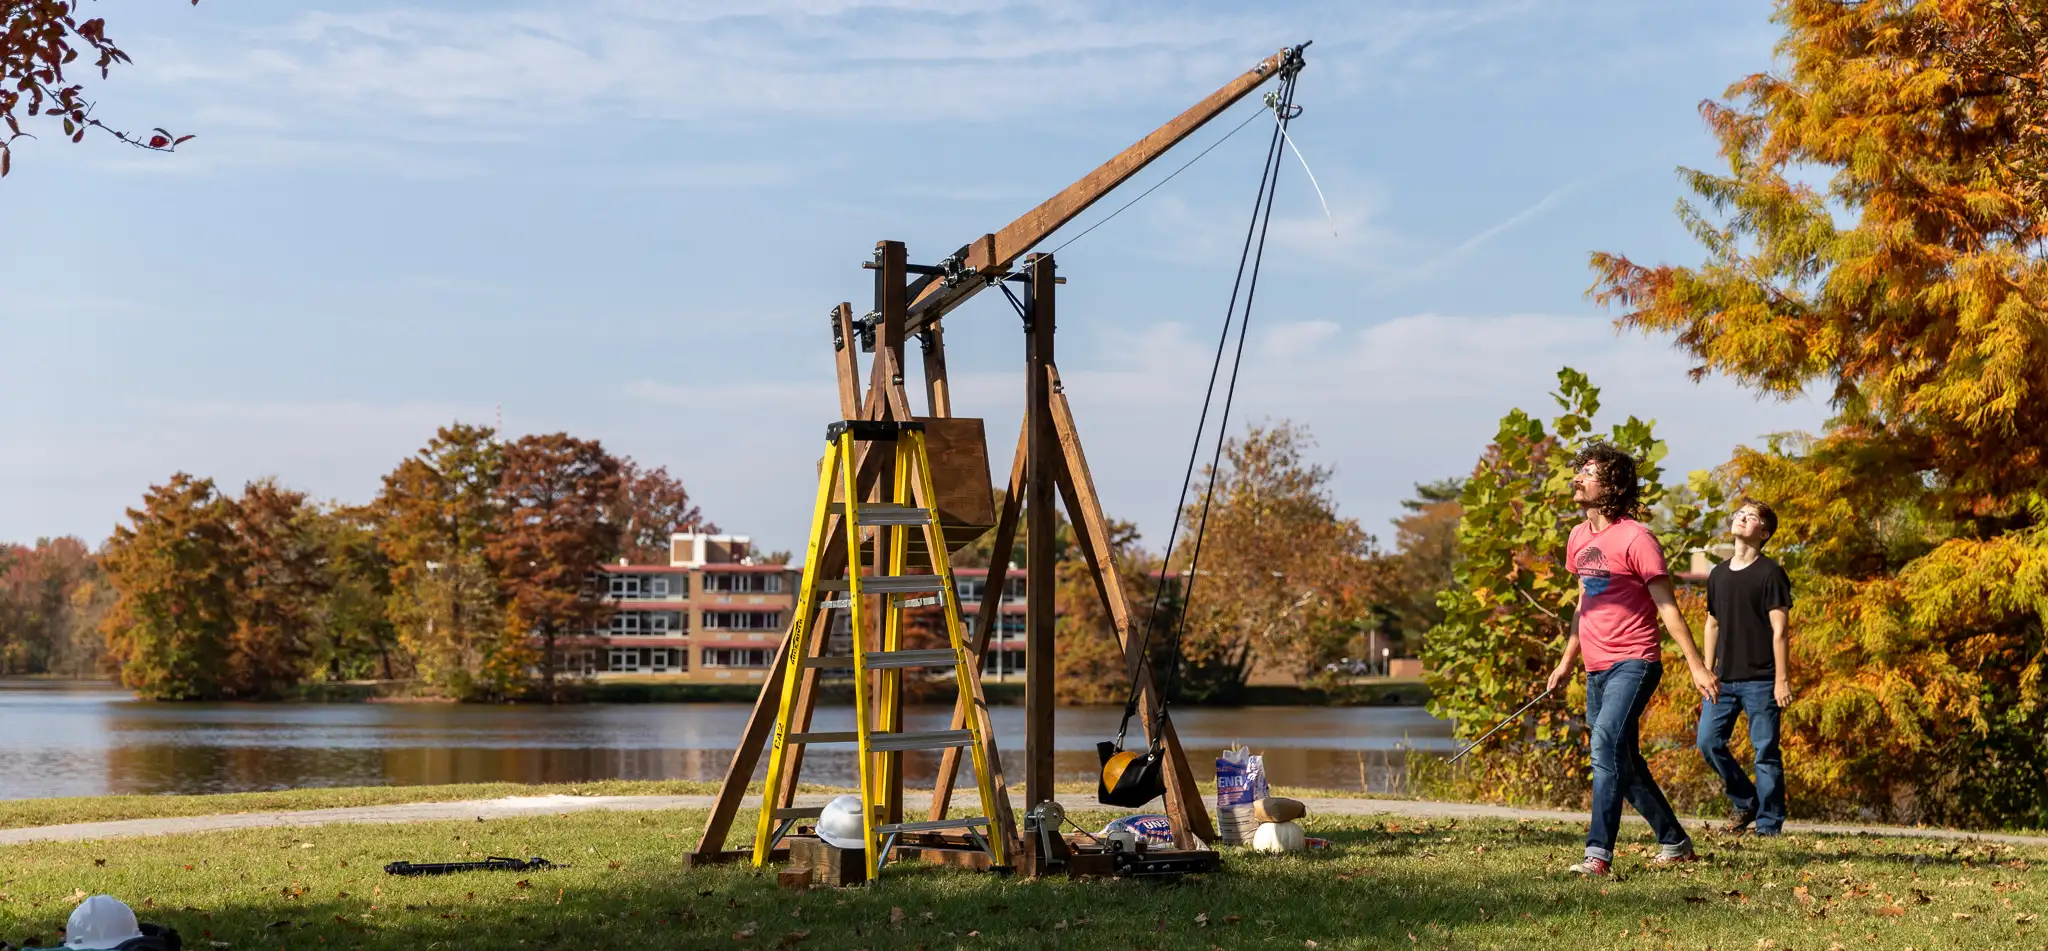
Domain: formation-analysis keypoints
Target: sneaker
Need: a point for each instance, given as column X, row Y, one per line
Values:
column 1665, row 861
column 1740, row 820
column 1590, row 867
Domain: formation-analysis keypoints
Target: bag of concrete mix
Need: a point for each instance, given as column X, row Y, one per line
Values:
column 1240, row 782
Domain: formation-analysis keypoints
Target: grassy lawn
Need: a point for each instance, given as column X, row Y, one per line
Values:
column 1387, row 883
column 26, row 813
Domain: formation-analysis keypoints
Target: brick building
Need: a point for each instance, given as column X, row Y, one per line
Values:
column 713, row 615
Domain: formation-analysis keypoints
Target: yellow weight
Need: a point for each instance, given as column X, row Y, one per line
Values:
column 1113, row 771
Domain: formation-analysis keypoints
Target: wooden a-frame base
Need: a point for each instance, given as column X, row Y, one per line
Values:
column 1049, row 461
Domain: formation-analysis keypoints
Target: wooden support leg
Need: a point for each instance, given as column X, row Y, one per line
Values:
column 1084, row 508
column 1041, row 462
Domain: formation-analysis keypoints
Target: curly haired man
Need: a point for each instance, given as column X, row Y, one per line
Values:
column 1624, row 591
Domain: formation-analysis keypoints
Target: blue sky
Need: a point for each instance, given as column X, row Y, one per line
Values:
column 627, row 219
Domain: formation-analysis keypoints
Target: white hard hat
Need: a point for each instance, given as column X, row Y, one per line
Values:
column 839, row 825
column 99, row 923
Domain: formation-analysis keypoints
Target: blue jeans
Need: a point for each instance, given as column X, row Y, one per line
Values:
column 1764, row 798
column 1615, row 699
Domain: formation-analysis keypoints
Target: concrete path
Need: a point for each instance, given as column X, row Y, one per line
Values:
column 517, row 806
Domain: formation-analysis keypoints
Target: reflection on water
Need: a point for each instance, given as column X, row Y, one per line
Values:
column 70, row 740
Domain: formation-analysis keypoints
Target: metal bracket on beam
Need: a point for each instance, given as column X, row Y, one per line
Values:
column 867, row 323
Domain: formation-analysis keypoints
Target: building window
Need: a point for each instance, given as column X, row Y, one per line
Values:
column 660, row 621
column 736, row 657
column 1012, row 625
column 970, row 589
column 742, row 583
column 742, row 620
column 658, row 587
column 625, row 586
column 626, row 622
column 1014, row 590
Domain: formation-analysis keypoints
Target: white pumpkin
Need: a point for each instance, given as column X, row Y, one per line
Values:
column 1279, row 837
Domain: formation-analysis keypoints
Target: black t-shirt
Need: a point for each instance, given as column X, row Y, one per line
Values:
column 1742, row 602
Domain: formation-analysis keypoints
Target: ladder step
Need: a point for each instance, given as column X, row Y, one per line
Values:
column 935, row 740
column 934, row 657
column 884, row 513
column 935, row 825
column 888, row 660
column 846, row 736
column 889, row 584
column 800, row 812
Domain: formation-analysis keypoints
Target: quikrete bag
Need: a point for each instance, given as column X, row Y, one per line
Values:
column 1130, row 778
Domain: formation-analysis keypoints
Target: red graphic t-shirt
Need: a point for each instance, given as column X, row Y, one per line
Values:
column 1617, row 618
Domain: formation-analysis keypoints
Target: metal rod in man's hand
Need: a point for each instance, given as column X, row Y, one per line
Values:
column 1497, row 726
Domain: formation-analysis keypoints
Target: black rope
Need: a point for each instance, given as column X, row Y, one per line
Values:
column 1268, row 181
column 1223, row 426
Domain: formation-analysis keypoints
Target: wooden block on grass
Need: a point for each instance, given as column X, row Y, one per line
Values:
column 829, row 864
column 796, row 878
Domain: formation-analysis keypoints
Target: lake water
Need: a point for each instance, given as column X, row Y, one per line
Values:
column 88, row 740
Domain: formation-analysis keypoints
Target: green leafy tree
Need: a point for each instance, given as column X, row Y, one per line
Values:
column 354, row 637
column 1507, row 614
column 1876, row 234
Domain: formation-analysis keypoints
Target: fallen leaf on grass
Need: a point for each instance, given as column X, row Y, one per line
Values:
column 99, row 861
column 1891, row 911
column 1232, row 919
column 746, row 932
column 522, row 883
column 2024, row 919
column 896, row 916
column 1962, row 916
column 790, row 940
column 1202, row 920
column 1308, row 944
column 1689, row 899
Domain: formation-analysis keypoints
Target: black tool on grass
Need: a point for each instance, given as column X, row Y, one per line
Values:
column 1496, row 727
column 492, row 864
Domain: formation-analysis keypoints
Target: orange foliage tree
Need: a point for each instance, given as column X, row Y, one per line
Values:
column 1877, row 232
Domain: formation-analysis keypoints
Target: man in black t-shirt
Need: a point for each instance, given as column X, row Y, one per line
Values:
column 1748, row 602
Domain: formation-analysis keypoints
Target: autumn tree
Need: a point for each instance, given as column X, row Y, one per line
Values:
column 1508, row 610
column 1876, row 234
column 39, row 41
column 650, row 506
column 1425, row 553
column 277, row 577
column 437, row 510
column 172, row 627
column 1283, row 579
column 555, row 496
column 52, row 595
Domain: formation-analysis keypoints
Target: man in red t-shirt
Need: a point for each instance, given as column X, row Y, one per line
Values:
column 1624, row 590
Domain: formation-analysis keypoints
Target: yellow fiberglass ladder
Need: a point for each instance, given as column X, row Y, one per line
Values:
column 875, row 714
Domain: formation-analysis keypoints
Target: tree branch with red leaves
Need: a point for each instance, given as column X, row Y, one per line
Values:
column 38, row 40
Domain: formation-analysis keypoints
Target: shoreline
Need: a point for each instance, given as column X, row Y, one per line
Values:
column 1379, row 693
